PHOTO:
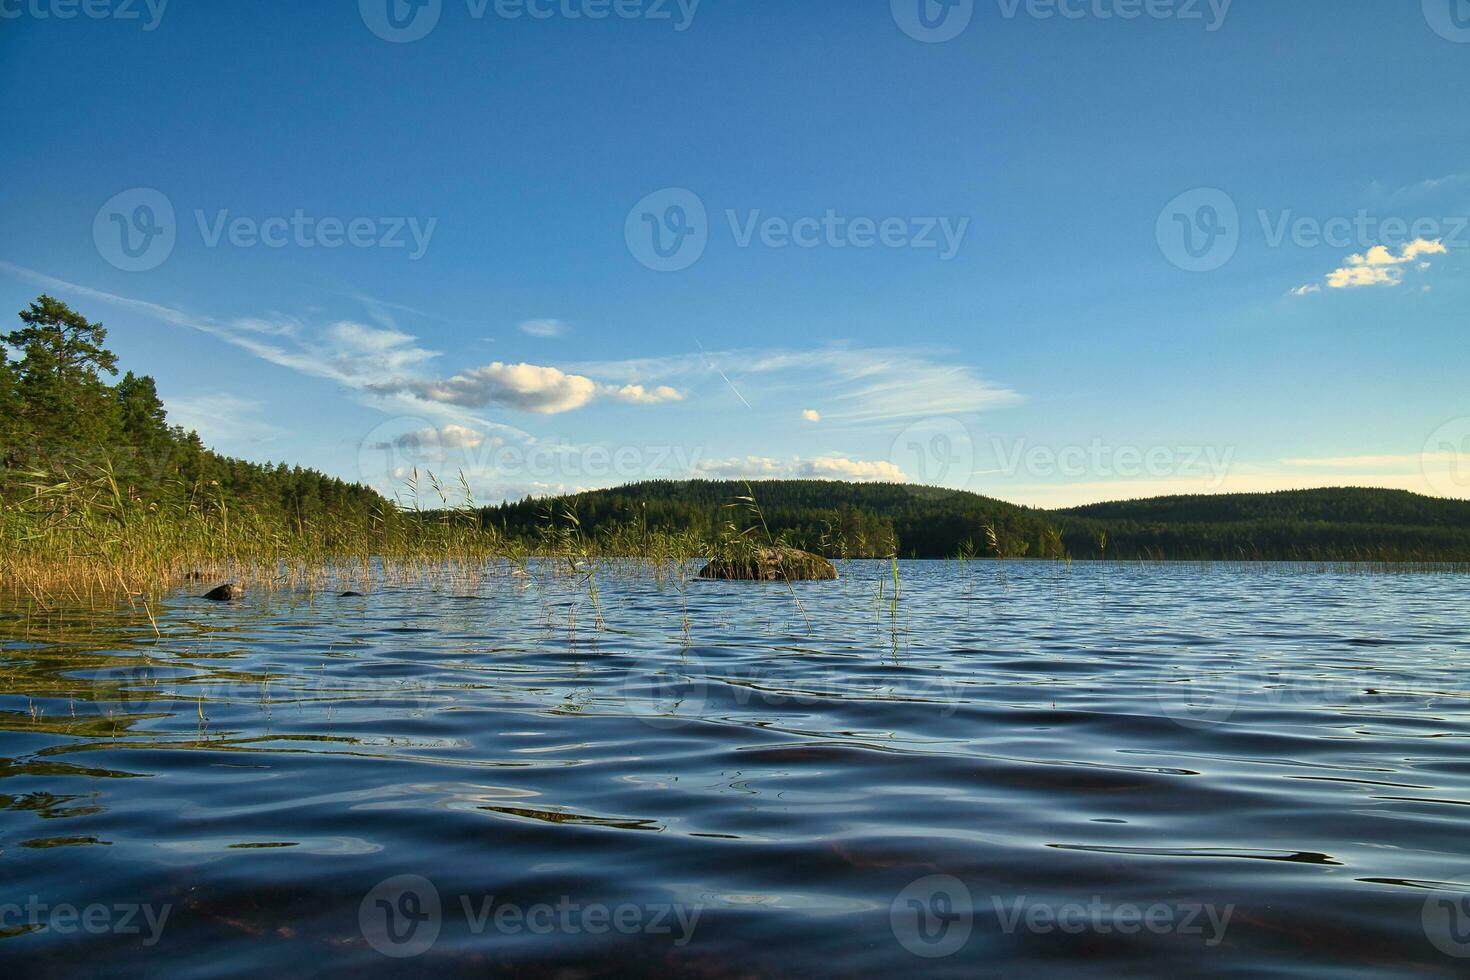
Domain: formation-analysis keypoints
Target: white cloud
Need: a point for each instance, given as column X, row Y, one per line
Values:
column 1379, row 266
column 447, row 437
column 526, row 387
column 798, row 468
column 638, row 395
column 811, row 415
column 1306, row 290
column 543, row 328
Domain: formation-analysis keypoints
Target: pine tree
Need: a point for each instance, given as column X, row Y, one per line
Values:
column 66, row 406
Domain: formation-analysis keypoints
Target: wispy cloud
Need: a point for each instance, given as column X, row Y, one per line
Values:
column 1389, row 462
column 220, row 418
column 799, row 468
column 543, row 328
column 858, row 385
column 382, row 362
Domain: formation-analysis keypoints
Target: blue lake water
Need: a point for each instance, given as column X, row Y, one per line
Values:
column 1096, row 770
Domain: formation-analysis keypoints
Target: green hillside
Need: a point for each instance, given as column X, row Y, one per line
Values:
column 1346, row 523
column 876, row 520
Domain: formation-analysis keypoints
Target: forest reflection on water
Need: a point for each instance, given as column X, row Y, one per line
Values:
column 1101, row 767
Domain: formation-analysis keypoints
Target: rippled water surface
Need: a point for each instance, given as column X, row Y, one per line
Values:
column 1106, row 769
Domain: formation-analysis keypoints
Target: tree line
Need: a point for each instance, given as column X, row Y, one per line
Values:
column 62, row 417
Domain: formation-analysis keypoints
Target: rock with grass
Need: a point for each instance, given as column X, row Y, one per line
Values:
column 228, row 592
column 777, row 564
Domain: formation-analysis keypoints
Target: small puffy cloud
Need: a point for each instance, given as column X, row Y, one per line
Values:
column 1351, row 277
column 638, row 395
column 812, row 415
column 543, row 328
column 1379, row 266
column 1306, row 290
column 449, row 437
column 1422, row 247
column 528, row 387
column 799, row 468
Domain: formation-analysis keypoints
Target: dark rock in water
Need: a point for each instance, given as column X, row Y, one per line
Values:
column 772, row 565
column 350, row 595
column 228, row 592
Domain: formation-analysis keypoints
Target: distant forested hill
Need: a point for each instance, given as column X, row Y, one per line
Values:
column 838, row 519
column 874, row 520
column 1345, row 523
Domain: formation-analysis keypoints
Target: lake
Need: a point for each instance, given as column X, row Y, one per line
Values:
column 1098, row 769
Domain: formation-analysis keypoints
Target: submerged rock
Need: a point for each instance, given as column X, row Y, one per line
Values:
column 772, row 565
column 228, row 592
column 350, row 595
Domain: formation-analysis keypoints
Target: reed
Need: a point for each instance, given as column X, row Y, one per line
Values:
column 77, row 533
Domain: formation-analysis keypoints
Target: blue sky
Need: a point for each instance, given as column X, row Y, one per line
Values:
column 884, row 252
